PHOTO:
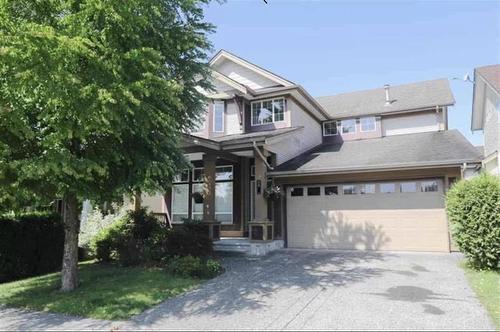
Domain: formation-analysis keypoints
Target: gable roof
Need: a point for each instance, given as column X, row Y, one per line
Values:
column 413, row 96
column 490, row 74
column 399, row 151
column 223, row 54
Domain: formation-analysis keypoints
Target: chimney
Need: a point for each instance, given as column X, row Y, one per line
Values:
column 387, row 98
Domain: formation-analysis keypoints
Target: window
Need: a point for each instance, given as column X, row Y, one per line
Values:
column 197, row 174
column 268, row 111
column 330, row 128
column 408, row 187
column 297, row 192
column 219, row 116
column 368, row 123
column 224, row 194
column 197, row 208
column 182, row 177
column 331, row 190
column 180, row 196
column 349, row 189
column 367, row 188
column 429, row 186
column 252, row 170
column 387, row 188
column 313, row 191
column 348, row 126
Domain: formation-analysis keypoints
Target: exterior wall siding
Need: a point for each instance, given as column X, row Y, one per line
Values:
column 491, row 125
column 412, row 123
column 306, row 138
column 244, row 75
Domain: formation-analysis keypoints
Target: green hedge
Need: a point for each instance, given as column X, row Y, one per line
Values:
column 473, row 208
column 30, row 244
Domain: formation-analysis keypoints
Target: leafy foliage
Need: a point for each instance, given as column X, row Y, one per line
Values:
column 474, row 212
column 96, row 222
column 190, row 239
column 196, row 267
column 30, row 244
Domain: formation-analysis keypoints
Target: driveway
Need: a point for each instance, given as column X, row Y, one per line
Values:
column 319, row 290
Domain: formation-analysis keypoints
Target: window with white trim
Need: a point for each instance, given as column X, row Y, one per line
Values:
column 218, row 114
column 330, row 128
column 224, row 194
column 180, row 196
column 368, row 124
column 348, row 126
column 267, row 111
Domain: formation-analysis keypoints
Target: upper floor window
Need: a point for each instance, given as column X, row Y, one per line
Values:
column 348, row 126
column 219, row 116
column 268, row 111
column 330, row 128
column 368, row 123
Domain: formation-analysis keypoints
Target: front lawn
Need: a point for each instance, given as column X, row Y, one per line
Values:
column 107, row 291
column 486, row 284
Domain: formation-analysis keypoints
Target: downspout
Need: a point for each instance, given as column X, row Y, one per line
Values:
column 264, row 159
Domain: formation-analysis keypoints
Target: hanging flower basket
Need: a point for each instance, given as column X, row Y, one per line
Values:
column 272, row 193
column 198, row 197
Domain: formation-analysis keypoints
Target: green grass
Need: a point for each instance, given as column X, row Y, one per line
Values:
column 486, row 284
column 106, row 291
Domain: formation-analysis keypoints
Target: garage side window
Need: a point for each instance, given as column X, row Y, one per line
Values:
column 387, row 188
column 331, row 190
column 313, row 191
column 349, row 189
column 428, row 186
column 297, row 192
column 408, row 187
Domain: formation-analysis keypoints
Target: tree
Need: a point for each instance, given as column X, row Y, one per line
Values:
column 94, row 95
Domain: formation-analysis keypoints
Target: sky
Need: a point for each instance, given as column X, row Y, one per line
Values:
column 332, row 47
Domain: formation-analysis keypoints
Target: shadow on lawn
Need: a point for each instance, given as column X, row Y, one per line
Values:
column 249, row 281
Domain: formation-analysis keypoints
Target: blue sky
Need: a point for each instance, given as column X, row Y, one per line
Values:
column 331, row 47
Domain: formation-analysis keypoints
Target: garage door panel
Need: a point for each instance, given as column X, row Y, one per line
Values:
column 321, row 222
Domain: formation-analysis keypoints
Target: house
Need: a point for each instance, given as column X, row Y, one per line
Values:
column 361, row 170
column 485, row 113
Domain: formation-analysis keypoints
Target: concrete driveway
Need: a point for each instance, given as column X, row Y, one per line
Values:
column 328, row 290
column 309, row 290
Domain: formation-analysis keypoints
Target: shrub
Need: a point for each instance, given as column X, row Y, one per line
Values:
column 30, row 244
column 136, row 238
column 195, row 267
column 95, row 222
column 191, row 239
column 473, row 208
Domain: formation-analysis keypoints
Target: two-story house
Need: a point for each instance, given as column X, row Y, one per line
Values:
column 361, row 170
column 485, row 114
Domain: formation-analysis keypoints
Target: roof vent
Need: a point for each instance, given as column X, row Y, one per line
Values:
column 387, row 97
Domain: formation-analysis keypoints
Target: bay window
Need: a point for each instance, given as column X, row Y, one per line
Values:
column 267, row 111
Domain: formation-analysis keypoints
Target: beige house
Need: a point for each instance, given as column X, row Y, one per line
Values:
column 362, row 170
column 485, row 113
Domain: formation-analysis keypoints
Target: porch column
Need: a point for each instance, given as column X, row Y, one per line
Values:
column 209, row 195
column 260, row 228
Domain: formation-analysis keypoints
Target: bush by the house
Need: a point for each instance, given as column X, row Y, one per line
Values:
column 190, row 239
column 30, row 244
column 195, row 267
column 96, row 221
column 473, row 208
column 136, row 238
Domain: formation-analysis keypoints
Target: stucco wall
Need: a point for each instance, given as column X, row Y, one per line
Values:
column 491, row 125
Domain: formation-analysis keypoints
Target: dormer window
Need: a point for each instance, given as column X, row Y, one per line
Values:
column 268, row 111
column 348, row 126
column 330, row 128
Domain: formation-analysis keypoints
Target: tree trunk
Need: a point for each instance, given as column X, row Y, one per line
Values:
column 69, row 274
column 137, row 200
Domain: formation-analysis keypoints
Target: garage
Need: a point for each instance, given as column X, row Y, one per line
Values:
column 390, row 215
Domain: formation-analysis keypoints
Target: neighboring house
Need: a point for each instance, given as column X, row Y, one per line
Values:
column 485, row 113
column 361, row 170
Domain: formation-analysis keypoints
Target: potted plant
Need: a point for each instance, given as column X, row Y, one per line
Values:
column 272, row 193
column 198, row 197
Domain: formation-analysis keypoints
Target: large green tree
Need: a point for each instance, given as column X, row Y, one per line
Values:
column 94, row 95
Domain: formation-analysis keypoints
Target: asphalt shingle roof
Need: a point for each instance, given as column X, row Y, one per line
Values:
column 431, row 148
column 491, row 74
column 411, row 96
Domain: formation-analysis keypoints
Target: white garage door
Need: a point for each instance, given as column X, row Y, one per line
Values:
column 406, row 215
